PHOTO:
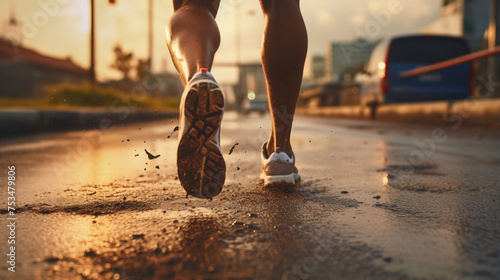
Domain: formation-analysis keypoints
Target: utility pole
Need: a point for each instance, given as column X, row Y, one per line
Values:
column 92, row 77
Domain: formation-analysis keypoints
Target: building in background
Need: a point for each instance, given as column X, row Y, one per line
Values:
column 345, row 59
column 24, row 72
column 329, row 79
column 467, row 18
column 251, row 79
column 314, row 69
column 471, row 19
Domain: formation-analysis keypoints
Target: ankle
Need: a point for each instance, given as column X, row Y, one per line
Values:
column 286, row 148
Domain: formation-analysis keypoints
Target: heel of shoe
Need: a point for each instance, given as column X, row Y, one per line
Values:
column 277, row 179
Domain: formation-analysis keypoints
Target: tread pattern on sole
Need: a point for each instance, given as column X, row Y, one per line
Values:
column 200, row 165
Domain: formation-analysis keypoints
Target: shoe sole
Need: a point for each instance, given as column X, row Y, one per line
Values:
column 200, row 165
column 291, row 179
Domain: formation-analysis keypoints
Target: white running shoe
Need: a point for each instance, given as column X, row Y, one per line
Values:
column 278, row 168
column 200, row 165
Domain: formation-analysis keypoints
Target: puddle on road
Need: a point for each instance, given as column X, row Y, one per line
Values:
column 86, row 158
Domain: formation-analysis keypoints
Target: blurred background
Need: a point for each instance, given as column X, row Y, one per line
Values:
column 48, row 56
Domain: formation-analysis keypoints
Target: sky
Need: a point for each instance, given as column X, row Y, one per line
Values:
column 61, row 27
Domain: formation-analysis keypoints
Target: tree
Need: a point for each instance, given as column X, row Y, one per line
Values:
column 142, row 69
column 123, row 61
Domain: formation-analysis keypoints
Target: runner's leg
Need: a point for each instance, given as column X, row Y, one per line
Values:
column 283, row 56
column 193, row 36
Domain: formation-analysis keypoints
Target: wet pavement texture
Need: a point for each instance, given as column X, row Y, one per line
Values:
column 377, row 201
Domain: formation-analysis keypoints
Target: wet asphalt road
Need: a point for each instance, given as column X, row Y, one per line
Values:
column 377, row 201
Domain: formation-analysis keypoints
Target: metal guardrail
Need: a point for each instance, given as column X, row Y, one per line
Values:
column 449, row 63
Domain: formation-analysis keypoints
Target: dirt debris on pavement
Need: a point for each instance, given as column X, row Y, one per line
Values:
column 232, row 148
column 175, row 129
column 151, row 156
